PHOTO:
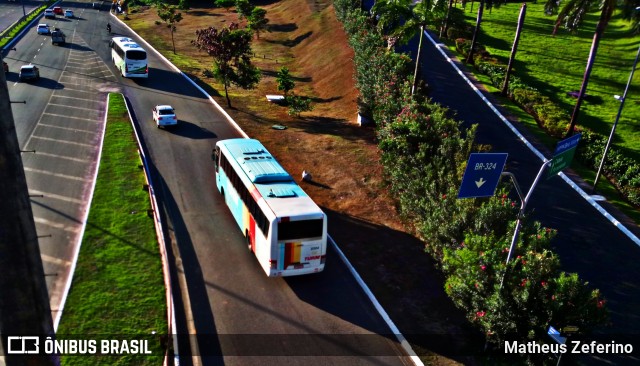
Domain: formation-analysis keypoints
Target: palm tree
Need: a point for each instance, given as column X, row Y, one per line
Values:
column 391, row 14
column 422, row 13
column 572, row 16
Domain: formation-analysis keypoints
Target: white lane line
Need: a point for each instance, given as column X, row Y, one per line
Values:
column 77, row 160
column 62, row 141
column 74, row 98
column 55, row 196
column 564, row 177
column 57, row 225
column 67, row 128
column 54, row 260
column 65, row 176
column 69, row 117
column 73, row 107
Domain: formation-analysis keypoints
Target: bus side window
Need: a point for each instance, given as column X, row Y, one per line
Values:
column 215, row 154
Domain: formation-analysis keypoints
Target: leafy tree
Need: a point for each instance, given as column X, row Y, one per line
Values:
column 572, row 15
column 227, row 4
column 244, row 8
column 284, row 80
column 258, row 21
column 169, row 15
column 184, row 5
column 298, row 104
column 391, row 14
column 230, row 48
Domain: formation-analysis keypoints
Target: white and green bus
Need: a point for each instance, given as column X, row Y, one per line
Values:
column 129, row 57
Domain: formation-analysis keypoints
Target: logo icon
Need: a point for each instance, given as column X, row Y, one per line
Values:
column 23, row 345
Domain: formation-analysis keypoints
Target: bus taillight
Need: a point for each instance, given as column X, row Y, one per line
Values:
column 273, row 264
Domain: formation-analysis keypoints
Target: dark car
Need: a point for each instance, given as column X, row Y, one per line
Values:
column 57, row 37
column 29, row 72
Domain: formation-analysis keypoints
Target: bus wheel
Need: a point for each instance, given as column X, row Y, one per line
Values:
column 246, row 235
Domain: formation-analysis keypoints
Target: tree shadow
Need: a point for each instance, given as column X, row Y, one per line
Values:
column 325, row 100
column 292, row 42
column 272, row 73
column 287, row 27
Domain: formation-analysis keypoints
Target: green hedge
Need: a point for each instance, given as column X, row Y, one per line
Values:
column 424, row 153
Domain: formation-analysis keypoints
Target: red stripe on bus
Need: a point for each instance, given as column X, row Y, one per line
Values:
column 252, row 233
column 255, row 193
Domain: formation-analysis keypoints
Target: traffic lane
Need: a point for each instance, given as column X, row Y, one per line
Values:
column 229, row 291
column 587, row 242
column 12, row 11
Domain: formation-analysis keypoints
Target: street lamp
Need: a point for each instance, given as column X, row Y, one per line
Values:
column 615, row 124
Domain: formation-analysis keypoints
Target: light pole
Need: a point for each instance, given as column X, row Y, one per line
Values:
column 615, row 124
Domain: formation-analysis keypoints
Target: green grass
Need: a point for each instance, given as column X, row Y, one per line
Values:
column 555, row 65
column 118, row 288
column 9, row 34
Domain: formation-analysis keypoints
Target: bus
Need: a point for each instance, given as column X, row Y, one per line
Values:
column 281, row 224
column 129, row 57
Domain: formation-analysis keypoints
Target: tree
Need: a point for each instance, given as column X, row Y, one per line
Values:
column 572, row 16
column 421, row 15
column 230, row 48
column 284, row 80
column 169, row 15
column 391, row 14
column 244, row 8
column 184, row 5
column 258, row 21
column 227, row 4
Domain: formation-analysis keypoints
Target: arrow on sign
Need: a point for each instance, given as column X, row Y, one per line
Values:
column 480, row 182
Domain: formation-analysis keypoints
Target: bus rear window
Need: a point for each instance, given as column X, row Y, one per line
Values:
column 136, row 55
column 300, row 229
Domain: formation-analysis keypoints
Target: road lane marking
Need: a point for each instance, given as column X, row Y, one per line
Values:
column 70, row 117
column 54, row 260
column 74, row 98
column 62, row 141
column 66, row 176
column 77, row 160
column 57, row 225
column 55, row 196
column 67, row 128
column 69, row 106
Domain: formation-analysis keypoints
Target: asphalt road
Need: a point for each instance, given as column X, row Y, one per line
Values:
column 62, row 121
column 587, row 242
column 238, row 311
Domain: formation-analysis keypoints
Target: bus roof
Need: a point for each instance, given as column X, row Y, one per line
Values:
column 275, row 185
column 127, row 43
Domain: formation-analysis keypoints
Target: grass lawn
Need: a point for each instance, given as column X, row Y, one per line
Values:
column 118, row 289
column 555, row 65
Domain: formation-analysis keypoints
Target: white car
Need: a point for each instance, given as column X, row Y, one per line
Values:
column 49, row 14
column 68, row 14
column 164, row 115
column 43, row 29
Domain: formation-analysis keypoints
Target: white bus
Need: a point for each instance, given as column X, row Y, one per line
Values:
column 283, row 227
column 130, row 59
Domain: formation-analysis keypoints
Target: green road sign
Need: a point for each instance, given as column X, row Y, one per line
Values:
column 563, row 155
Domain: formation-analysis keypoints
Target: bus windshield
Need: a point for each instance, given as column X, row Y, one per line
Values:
column 302, row 229
column 136, row 55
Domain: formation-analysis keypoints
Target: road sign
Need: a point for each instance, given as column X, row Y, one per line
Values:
column 482, row 175
column 553, row 333
column 563, row 155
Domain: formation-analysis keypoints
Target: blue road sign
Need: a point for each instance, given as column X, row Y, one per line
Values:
column 553, row 333
column 482, row 175
column 567, row 144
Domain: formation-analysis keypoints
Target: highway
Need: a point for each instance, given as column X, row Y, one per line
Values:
column 238, row 312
